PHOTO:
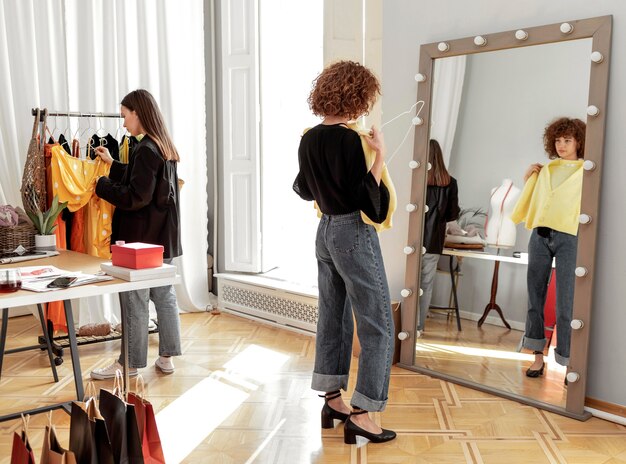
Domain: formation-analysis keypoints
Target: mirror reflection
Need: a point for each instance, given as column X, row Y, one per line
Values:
column 489, row 113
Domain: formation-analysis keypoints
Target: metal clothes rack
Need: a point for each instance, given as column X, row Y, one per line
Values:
column 74, row 114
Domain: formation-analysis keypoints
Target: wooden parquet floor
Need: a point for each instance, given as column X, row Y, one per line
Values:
column 240, row 394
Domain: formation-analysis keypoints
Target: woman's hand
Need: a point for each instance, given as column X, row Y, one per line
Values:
column 376, row 141
column 532, row 169
column 104, row 155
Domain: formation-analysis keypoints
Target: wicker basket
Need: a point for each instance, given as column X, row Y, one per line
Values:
column 22, row 234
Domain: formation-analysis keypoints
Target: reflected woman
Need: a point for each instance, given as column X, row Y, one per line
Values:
column 442, row 198
column 550, row 207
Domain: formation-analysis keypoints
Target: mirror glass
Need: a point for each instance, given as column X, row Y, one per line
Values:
column 488, row 112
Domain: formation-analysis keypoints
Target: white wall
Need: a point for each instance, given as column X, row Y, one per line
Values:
column 406, row 25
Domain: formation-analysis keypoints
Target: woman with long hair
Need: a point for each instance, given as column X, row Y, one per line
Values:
column 442, row 198
column 146, row 198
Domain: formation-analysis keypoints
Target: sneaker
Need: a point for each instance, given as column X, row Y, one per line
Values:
column 109, row 371
column 165, row 364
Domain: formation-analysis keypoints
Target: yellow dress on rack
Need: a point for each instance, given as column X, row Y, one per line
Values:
column 74, row 181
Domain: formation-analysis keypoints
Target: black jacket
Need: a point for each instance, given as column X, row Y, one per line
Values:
column 145, row 195
column 443, row 206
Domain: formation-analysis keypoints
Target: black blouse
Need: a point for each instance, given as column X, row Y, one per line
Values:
column 443, row 207
column 333, row 173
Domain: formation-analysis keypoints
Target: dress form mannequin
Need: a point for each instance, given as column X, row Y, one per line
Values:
column 500, row 229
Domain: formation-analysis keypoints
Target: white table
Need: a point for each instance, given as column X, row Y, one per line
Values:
column 70, row 261
column 492, row 305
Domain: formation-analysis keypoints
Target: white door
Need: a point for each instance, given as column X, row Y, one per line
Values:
column 240, row 135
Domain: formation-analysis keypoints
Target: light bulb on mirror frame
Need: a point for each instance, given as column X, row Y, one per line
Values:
column 572, row 377
column 443, row 46
column 593, row 110
column 584, row 218
column 589, row 165
column 566, row 28
column 417, row 121
column 419, row 77
column 581, row 271
column 408, row 250
column 414, row 164
column 411, row 207
column 521, row 34
column 577, row 324
column 406, row 292
column 480, row 41
column 597, row 57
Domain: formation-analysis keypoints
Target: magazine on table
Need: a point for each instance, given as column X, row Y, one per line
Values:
column 38, row 278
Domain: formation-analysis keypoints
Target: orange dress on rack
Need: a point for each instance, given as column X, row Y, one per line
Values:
column 54, row 310
column 74, row 181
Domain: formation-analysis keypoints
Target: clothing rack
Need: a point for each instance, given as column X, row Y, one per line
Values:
column 75, row 114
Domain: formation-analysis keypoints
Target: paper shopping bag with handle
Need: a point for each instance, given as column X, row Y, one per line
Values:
column 148, row 431
column 51, row 451
column 89, row 438
column 21, row 452
column 121, row 423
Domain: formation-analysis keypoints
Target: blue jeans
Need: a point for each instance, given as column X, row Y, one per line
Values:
column 136, row 304
column 351, row 276
column 541, row 251
column 427, row 281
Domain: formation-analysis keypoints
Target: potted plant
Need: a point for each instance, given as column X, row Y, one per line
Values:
column 44, row 222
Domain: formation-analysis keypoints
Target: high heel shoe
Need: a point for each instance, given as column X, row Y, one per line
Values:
column 351, row 431
column 328, row 413
column 535, row 372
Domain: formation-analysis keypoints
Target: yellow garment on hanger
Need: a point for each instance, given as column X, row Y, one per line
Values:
column 385, row 178
column 124, row 149
column 74, row 181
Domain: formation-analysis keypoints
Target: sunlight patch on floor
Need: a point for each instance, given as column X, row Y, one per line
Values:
column 192, row 417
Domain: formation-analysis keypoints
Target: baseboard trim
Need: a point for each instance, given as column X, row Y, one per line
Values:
column 605, row 410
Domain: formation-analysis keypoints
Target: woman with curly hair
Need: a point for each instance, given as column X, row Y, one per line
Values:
column 550, row 207
column 351, row 273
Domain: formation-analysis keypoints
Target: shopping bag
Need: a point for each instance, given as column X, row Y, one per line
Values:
column 148, row 431
column 21, row 452
column 51, row 451
column 121, row 423
column 89, row 439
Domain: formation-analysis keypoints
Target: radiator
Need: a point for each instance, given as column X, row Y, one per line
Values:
column 268, row 299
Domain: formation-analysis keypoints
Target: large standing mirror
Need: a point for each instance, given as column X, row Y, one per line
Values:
column 487, row 100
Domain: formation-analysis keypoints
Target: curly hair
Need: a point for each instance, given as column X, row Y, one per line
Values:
column 562, row 127
column 345, row 89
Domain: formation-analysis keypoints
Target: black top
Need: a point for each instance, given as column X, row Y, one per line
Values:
column 333, row 173
column 146, row 197
column 443, row 206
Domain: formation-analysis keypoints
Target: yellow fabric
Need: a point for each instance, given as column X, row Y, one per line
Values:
column 370, row 157
column 124, row 151
column 74, row 181
column 552, row 198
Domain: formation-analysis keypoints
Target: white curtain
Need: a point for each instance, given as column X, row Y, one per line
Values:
column 446, row 100
column 85, row 55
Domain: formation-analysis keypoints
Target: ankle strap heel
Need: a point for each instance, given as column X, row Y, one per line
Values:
column 328, row 413
column 351, row 431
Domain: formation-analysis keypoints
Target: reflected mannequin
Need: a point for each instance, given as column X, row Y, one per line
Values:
column 499, row 227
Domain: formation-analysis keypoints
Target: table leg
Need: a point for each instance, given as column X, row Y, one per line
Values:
column 3, row 335
column 78, row 378
column 456, row 298
column 46, row 337
column 124, row 350
column 492, row 301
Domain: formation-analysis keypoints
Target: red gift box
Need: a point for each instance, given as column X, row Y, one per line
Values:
column 137, row 255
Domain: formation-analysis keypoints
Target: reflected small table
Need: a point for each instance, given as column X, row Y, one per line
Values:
column 492, row 305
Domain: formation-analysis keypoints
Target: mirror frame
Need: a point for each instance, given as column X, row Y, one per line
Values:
column 599, row 30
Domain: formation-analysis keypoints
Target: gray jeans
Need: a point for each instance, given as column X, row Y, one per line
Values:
column 136, row 304
column 427, row 280
column 541, row 251
column 351, row 276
